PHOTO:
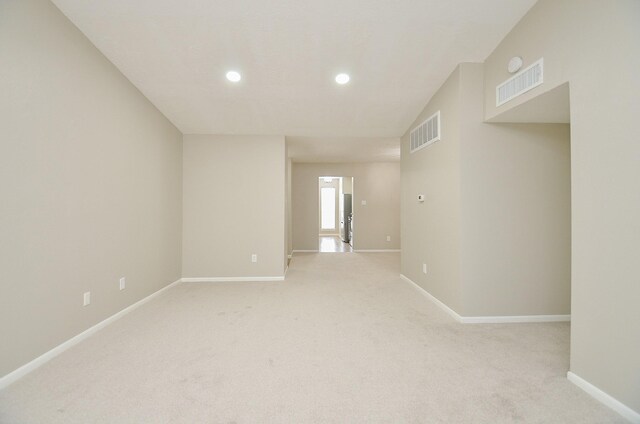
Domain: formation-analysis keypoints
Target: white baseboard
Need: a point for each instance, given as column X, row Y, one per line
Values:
column 434, row 299
column 229, row 279
column 515, row 319
column 47, row 356
column 489, row 319
column 605, row 398
column 375, row 250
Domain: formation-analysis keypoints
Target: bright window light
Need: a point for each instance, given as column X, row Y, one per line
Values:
column 328, row 208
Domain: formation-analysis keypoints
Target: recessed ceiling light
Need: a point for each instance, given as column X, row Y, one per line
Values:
column 233, row 76
column 342, row 78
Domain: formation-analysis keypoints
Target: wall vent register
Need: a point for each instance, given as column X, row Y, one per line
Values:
column 426, row 133
column 523, row 81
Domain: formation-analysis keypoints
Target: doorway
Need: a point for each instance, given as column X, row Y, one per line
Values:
column 335, row 233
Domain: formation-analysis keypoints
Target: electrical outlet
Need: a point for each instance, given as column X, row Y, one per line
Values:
column 123, row 283
column 388, row 238
column 254, row 258
column 424, row 268
column 86, row 300
column 364, row 203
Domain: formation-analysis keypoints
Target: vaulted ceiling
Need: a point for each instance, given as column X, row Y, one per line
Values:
column 397, row 52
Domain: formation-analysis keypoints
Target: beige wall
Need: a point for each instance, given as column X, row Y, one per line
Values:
column 90, row 180
column 288, row 221
column 377, row 183
column 601, row 66
column 431, row 229
column 516, row 220
column 515, row 211
column 347, row 185
column 233, row 206
column 494, row 228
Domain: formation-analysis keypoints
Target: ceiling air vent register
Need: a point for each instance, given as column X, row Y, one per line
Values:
column 523, row 81
column 426, row 133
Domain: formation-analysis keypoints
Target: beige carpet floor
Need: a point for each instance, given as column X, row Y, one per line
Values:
column 342, row 340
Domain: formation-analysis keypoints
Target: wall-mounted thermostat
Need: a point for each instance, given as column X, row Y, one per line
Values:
column 420, row 197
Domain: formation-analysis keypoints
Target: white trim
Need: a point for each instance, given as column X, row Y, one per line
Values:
column 47, row 356
column 229, row 279
column 416, row 130
column 489, row 319
column 516, row 319
column 375, row 250
column 434, row 299
column 605, row 398
column 302, row 251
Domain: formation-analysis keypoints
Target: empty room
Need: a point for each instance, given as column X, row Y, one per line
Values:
column 293, row 211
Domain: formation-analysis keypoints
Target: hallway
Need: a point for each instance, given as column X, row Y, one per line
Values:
column 333, row 244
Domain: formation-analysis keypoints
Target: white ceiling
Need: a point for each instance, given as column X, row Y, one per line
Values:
column 398, row 53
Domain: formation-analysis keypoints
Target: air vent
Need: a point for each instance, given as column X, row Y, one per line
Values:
column 426, row 133
column 521, row 82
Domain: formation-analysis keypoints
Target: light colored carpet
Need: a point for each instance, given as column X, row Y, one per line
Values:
column 342, row 340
